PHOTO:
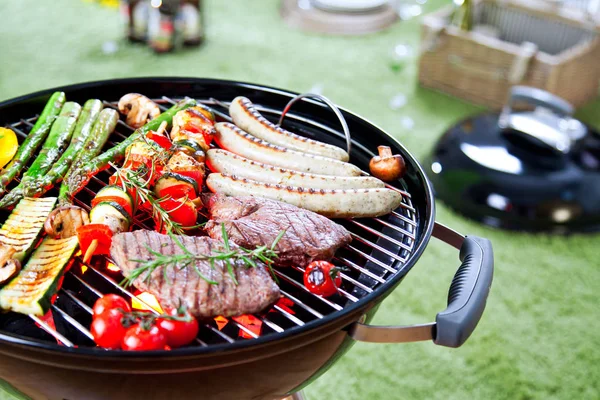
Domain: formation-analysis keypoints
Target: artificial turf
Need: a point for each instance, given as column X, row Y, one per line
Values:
column 539, row 336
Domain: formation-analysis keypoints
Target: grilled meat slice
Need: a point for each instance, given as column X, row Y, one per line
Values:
column 255, row 290
column 252, row 221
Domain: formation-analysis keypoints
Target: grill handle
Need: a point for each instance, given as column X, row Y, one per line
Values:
column 466, row 298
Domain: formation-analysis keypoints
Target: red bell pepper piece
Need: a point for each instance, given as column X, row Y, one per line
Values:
column 181, row 211
column 160, row 139
column 90, row 232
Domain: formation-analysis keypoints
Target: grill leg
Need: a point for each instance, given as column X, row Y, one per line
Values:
column 296, row 396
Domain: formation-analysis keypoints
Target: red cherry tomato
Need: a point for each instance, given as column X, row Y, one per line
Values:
column 110, row 302
column 181, row 331
column 322, row 278
column 108, row 330
column 139, row 339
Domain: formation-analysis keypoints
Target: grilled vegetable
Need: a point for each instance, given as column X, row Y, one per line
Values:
column 108, row 330
column 180, row 211
column 176, row 186
column 9, row 267
column 117, row 152
column 8, row 146
column 219, row 160
column 59, row 137
column 160, row 138
column 118, row 195
column 111, row 214
column 233, row 139
column 138, row 108
column 32, row 290
column 100, row 233
column 187, row 165
column 247, row 117
column 64, row 221
column 194, row 126
column 104, row 126
column 23, row 226
column 350, row 203
column 34, row 140
column 386, row 166
column 83, row 129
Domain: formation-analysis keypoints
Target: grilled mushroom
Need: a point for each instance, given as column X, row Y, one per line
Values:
column 64, row 221
column 8, row 266
column 387, row 166
column 138, row 108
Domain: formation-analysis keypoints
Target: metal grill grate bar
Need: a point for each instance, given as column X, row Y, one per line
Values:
column 73, row 322
column 302, row 287
column 301, row 304
column 372, row 259
column 377, row 247
column 51, row 331
column 381, row 235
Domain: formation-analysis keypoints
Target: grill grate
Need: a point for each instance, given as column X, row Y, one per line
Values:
column 379, row 249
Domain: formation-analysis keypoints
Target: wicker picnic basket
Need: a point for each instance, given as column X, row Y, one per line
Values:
column 550, row 46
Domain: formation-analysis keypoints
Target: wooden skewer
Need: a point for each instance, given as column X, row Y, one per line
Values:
column 90, row 251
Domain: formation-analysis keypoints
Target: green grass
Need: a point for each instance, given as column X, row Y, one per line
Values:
column 539, row 335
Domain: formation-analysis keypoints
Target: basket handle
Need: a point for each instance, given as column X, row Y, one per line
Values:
column 466, row 298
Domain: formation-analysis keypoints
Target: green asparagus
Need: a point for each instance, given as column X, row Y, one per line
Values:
column 59, row 137
column 34, row 140
column 83, row 175
column 104, row 126
column 83, row 129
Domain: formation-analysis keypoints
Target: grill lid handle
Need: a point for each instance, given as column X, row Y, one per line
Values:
column 466, row 298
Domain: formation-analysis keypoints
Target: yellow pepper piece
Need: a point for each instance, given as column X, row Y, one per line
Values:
column 8, row 146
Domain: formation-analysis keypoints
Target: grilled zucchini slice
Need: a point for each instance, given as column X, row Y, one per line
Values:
column 169, row 179
column 31, row 291
column 116, row 191
column 24, row 225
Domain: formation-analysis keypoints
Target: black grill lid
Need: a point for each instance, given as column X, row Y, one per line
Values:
column 527, row 170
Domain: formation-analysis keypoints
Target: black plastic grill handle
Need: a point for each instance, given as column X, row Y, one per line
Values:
column 468, row 293
column 466, row 298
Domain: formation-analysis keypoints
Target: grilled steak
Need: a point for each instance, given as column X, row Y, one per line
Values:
column 251, row 222
column 255, row 289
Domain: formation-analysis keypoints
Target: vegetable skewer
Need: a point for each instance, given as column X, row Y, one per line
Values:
column 34, row 140
column 104, row 126
column 58, row 138
column 102, row 161
column 83, row 129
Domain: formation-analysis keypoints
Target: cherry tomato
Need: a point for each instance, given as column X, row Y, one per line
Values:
column 322, row 278
column 180, row 211
column 139, row 339
column 108, row 330
column 110, row 302
column 179, row 332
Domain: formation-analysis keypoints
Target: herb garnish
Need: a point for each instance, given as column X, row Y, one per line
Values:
column 230, row 256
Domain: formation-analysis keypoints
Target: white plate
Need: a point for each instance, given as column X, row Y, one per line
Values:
column 353, row 6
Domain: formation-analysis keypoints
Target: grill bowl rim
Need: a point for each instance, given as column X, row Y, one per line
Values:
column 365, row 302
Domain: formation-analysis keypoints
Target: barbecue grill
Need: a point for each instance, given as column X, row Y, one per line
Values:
column 268, row 355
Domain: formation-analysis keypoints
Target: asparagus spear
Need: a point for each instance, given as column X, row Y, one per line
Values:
column 86, row 121
column 59, row 136
column 83, row 175
column 34, row 140
column 104, row 126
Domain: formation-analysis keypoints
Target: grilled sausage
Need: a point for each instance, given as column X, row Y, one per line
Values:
column 339, row 203
column 232, row 138
column 245, row 116
column 231, row 164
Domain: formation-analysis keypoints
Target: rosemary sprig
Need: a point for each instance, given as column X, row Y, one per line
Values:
column 230, row 256
column 139, row 180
